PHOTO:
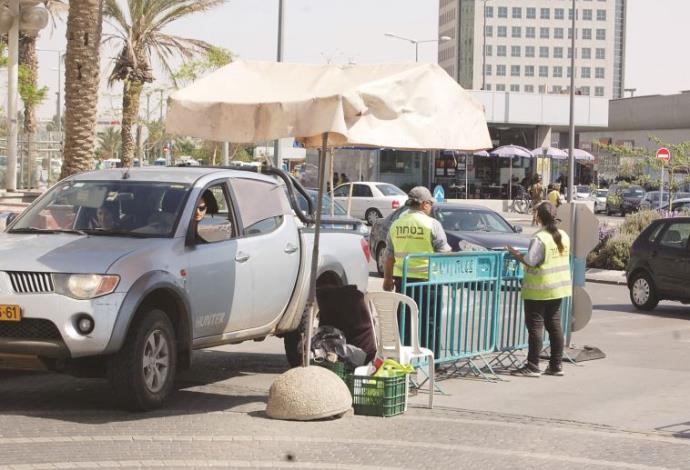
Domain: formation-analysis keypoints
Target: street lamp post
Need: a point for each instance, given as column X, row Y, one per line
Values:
column 484, row 49
column 417, row 42
column 571, row 144
column 27, row 16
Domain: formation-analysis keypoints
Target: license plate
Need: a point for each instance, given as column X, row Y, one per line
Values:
column 10, row 313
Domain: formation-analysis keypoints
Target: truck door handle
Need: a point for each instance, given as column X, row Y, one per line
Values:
column 290, row 248
column 241, row 257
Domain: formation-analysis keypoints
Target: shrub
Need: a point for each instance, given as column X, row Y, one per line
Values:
column 614, row 254
column 635, row 223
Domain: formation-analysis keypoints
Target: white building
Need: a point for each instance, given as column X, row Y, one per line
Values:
column 528, row 45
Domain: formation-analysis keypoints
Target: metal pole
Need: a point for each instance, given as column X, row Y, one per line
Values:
column 59, row 96
column 12, row 97
column 571, row 144
column 311, row 301
column 277, row 159
column 661, row 190
column 148, row 126
column 167, row 160
column 416, row 51
column 484, row 52
column 226, row 153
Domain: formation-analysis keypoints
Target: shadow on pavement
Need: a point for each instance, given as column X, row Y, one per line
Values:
column 679, row 312
column 201, row 389
column 678, row 430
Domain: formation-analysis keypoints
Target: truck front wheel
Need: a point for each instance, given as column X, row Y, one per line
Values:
column 142, row 373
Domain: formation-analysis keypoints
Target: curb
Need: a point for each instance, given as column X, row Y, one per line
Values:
column 604, row 276
column 605, row 281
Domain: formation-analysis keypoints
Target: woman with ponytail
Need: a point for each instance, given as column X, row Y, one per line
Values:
column 546, row 282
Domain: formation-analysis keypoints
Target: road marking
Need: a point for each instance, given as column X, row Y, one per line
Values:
column 394, row 444
column 195, row 464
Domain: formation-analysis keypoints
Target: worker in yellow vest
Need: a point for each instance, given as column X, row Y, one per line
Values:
column 416, row 232
column 546, row 282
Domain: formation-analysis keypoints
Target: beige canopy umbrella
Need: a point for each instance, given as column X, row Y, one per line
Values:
column 404, row 106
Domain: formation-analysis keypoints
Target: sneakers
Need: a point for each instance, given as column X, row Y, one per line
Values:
column 527, row 371
column 557, row 371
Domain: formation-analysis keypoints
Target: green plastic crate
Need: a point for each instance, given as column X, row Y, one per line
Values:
column 378, row 396
column 338, row 368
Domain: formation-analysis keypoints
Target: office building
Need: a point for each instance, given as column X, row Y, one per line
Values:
column 528, row 45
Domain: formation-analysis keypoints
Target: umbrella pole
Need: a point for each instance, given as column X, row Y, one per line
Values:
column 311, row 302
column 510, row 180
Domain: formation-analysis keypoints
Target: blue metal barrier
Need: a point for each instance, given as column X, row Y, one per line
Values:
column 471, row 305
column 457, row 302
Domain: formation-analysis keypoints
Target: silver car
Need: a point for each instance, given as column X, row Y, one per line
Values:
column 130, row 270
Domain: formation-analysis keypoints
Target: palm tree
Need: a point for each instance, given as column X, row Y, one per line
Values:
column 28, row 87
column 109, row 142
column 82, row 73
column 139, row 33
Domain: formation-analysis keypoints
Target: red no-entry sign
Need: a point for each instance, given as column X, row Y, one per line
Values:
column 663, row 154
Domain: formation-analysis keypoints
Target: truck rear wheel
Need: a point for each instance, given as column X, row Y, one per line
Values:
column 142, row 373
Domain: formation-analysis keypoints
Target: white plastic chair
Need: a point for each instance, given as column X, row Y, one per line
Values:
column 384, row 306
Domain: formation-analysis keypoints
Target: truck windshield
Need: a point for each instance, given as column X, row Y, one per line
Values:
column 115, row 208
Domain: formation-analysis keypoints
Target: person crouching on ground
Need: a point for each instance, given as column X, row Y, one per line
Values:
column 416, row 232
column 546, row 282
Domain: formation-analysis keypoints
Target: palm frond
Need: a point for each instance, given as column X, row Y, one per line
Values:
column 177, row 9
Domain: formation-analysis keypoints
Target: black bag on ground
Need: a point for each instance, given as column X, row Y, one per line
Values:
column 328, row 339
column 345, row 309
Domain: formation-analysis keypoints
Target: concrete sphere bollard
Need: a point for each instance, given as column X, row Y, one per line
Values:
column 308, row 393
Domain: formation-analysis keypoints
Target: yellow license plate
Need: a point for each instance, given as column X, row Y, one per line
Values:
column 10, row 313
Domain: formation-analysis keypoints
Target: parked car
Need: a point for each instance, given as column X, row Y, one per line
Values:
column 678, row 204
column 652, row 199
column 107, row 273
column 468, row 228
column 583, row 192
column 659, row 266
column 624, row 200
column 339, row 220
column 600, row 200
column 370, row 200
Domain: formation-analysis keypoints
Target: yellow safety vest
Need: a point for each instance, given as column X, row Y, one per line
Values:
column 411, row 233
column 554, row 197
column 551, row 279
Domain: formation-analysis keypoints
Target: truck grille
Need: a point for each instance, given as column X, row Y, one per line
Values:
column 30, row 328
column 31, row 283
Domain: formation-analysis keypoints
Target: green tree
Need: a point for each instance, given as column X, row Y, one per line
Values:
column 139, row 36
column 109, row 143
column 31, row 94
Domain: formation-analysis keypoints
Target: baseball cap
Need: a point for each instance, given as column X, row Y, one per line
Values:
column 420, row 194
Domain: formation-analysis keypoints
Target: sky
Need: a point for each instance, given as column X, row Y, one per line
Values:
column 341, row 31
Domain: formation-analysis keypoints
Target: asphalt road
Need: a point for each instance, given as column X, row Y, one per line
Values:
column 626, row 411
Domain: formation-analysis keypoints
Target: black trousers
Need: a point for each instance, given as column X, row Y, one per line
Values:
column 540, row 314
column 429, row 317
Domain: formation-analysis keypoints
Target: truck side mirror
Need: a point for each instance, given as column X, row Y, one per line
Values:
column 518, row 228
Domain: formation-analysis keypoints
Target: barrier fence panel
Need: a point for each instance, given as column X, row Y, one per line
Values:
column 511, row 334
column 470, row 306
column 457, row 302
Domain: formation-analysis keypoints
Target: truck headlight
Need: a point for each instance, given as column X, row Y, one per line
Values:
column 464, row 245
column 85, row 286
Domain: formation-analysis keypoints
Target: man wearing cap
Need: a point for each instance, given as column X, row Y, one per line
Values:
column 416, row 232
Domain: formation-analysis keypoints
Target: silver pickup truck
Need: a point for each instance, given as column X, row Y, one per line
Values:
column 122, row 273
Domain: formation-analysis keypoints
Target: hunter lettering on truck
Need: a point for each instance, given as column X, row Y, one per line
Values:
column 121, row 273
